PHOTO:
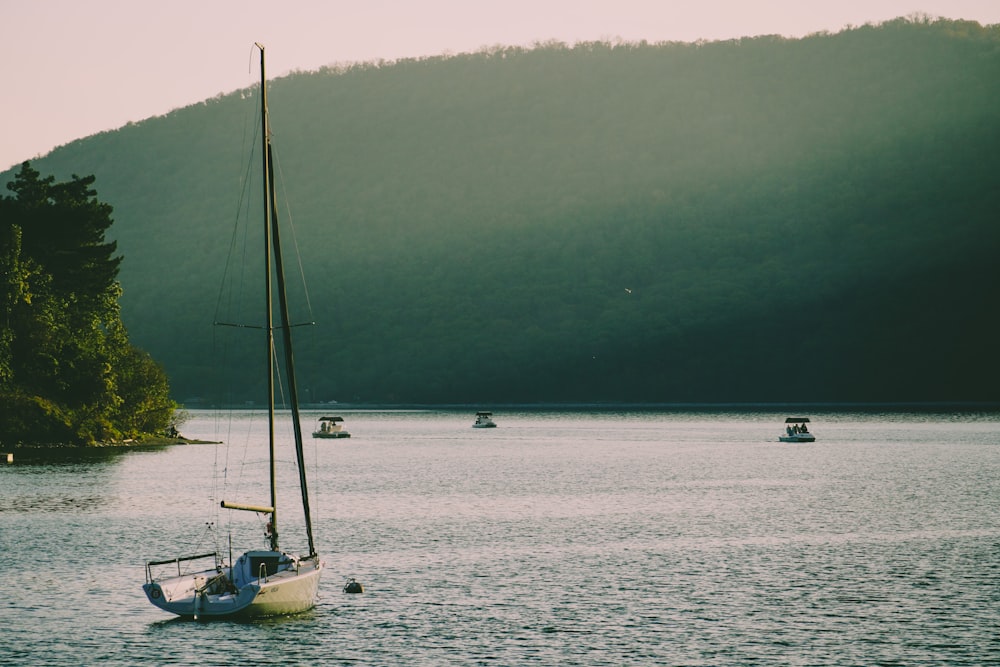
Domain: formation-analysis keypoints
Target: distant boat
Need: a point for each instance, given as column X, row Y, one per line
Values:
column 261, row 582
column 484, row 420
column 331, row 427
column 797, row 431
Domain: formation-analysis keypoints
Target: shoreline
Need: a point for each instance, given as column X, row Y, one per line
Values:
column 813, row 406
column 135, row 443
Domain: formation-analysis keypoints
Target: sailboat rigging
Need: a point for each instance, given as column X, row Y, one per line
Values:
column 264, row 582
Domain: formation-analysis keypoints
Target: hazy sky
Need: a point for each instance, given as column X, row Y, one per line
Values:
column 73, row 68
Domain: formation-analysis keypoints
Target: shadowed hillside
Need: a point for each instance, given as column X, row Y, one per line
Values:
column 762, row 219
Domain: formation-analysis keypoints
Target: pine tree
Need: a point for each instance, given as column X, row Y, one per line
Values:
column 67, row 370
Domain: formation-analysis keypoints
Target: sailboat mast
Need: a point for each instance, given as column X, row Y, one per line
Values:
column 293, row 390
column 269, row 323
column 272, row 240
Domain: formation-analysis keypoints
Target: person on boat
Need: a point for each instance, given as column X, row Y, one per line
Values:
column 788, row 429
column 804, row 429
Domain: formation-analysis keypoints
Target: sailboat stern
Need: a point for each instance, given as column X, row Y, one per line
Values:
column 180, row 599
column 203, row 593
column 288, row 585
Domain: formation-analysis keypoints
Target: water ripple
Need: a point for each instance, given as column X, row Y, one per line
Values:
column 655, row 539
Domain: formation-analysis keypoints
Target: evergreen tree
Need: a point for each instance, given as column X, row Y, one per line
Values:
column 67, row 370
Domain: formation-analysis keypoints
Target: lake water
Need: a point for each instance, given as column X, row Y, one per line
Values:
column 558, row 538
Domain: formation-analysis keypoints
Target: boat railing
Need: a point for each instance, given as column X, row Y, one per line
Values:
column 181, row 559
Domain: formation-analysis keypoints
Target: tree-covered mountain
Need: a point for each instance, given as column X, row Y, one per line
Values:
column 763, row 219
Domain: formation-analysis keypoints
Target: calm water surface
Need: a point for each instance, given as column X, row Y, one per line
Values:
column 556, row 539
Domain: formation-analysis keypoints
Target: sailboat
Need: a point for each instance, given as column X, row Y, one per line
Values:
column 262, row 582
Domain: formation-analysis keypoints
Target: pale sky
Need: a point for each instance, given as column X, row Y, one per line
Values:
column 73, row 68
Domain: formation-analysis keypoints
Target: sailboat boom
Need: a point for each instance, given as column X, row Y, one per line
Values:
column 249, row 508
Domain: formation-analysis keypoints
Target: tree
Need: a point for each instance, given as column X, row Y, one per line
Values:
column 145, row 394
column 67, row 370
column 63, row 228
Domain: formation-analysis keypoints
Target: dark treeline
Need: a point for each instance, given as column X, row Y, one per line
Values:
column 68, row 374
column 763, row 219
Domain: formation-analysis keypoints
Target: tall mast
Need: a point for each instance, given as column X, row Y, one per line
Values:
column 293, row 391
column 268, row 325
column 272, row 237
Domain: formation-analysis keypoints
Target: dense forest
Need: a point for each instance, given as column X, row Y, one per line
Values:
column 68, row 374
column 756, row 220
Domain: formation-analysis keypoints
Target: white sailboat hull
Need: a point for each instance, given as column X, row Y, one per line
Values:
column 204, row 595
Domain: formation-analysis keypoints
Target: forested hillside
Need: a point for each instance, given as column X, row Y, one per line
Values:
column 763, row 219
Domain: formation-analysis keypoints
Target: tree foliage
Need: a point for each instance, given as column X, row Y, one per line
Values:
column 67, row 371
column 760, row 219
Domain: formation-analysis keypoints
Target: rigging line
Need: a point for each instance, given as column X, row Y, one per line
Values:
column 315, row 509
column 276, row 164
column 243, row 211
column 201, row 540
column 244, row 459
column 278, row 383
column 251, row 59
column 216, row 449
column 291, row 227
column 228, row 288
column 231, row 299
column 222, row 391
column 242, row 201
column 237, row 326
column 224, row 422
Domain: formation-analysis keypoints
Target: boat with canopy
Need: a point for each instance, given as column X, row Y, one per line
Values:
column 331, row 427
column 797, row 431
column 484, row 420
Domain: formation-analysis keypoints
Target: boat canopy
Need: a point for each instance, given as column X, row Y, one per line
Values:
column 331, row 419
column 484, row 414
column 797, row 420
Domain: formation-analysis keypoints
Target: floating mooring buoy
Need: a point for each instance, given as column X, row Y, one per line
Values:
column 353, row 586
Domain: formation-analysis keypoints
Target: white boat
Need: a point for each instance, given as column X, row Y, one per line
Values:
column 484, row 420
column 261, row 582
column 797, row 431
column 331, row 427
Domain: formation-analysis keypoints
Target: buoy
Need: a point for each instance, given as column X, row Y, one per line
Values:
column 353, row 586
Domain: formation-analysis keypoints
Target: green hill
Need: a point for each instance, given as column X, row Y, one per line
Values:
column 762, row 219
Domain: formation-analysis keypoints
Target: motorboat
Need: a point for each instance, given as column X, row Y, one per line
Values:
column 484, row 420
column 331, row 427
column 797, row 431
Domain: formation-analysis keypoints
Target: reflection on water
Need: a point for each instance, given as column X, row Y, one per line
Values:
column 58, row 479
column 61, row 503
column 68, row 456
column 640, row 537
